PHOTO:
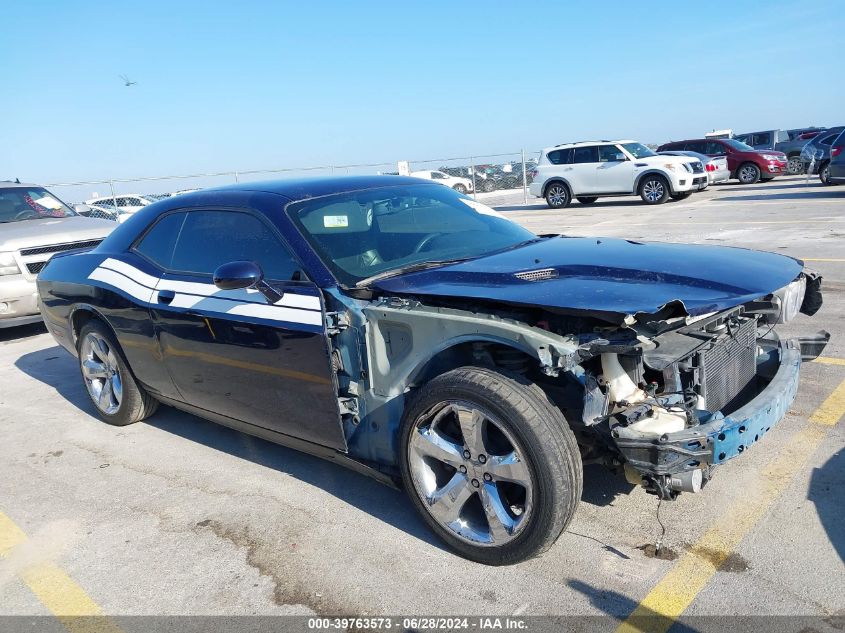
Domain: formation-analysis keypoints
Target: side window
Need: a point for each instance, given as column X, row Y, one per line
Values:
column 697, row 146
column 157, row 244
column 827, row 140
column 715, row 149
column 763, row 138
column 783, row 136
column 437, row 175
column 610, row 154
column 560, row 157
column 589, row 154
column 211, row 238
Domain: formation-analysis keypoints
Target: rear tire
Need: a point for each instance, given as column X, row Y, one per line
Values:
column 654, row 189
column 558, row 196
column 824, row 174
column 748, row 173
column 587, row 199
column 519, row 486
column 116, row 395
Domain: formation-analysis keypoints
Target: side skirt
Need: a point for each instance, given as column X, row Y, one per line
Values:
column 303, row 446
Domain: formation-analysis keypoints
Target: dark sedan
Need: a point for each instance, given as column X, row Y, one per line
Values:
column 406, row 331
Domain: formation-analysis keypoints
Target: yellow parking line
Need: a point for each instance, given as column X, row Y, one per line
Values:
column 821, row 259
column 54, row 588
column 826, row 360
column 831, row 409
column 696, row 567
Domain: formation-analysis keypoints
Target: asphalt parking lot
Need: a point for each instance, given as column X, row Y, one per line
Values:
column 181, row 516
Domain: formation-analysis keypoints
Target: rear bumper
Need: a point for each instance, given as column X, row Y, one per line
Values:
column 719, row 437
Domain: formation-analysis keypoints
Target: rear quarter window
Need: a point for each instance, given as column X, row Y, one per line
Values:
column 158, row 243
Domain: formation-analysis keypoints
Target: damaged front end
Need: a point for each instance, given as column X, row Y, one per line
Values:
column 685, row 398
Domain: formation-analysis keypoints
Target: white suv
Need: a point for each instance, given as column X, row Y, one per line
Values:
column 613, row 168
column 461, row 185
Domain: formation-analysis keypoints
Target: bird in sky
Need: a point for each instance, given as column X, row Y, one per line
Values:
column 126, row 81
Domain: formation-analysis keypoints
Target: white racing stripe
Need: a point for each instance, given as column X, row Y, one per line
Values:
column 115, row 279
column 293, row 308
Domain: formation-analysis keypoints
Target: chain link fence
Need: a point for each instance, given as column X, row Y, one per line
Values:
column 479, row 176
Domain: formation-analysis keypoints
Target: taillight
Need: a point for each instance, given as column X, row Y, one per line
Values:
column 835, row 150
column 534, row 173
column 710, row 167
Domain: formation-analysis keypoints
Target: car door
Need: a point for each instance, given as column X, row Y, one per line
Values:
column 233, row 352
column 582, row 177
column 615, row 172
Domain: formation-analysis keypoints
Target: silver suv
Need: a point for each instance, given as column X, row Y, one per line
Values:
column 34, row 225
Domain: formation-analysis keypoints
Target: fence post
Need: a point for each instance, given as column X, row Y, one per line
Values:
column 474, row 188
column 111, row 186
column 236, row 177
column 524, row 181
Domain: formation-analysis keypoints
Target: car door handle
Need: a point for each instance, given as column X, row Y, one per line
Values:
column 166, row 296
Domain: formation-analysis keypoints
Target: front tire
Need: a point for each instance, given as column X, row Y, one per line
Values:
column 587, row 199
column 558, row 196
column 116, row 395
column 748, row 173
column 491, row 464
column 460, row 188
column 654, row 189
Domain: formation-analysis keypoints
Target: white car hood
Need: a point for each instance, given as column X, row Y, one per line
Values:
column 45, row 231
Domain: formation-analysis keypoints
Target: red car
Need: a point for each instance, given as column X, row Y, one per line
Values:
column 747, row 164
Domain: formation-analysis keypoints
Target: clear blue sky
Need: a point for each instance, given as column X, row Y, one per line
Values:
column 245, row 85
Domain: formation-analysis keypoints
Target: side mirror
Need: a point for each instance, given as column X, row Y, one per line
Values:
column 237, row 275
column 242, row 274
column 82, row 209
column 620, row 156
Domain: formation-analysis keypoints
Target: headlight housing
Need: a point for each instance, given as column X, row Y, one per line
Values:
column 8, row 265
column 771, row 157
column 791, row 296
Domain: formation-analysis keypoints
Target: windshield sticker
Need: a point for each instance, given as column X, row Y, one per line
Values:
column 48, row 202
column 482, row 209
column 336, row 221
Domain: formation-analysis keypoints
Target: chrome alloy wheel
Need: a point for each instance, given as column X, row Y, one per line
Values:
column 654, row 190
column 101, row 373
column 795, row 165
column 747, row 173
column 470, row 473
column 557, row 195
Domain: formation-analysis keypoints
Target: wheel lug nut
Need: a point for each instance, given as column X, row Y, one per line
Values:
column 467, row 454
column 487, row 477
column 482, row 459
column 475, row 483
column 462, row 468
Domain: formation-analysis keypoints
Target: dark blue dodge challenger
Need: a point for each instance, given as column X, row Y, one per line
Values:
column 406, row 331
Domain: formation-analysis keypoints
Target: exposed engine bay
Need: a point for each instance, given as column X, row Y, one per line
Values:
column 651, row 396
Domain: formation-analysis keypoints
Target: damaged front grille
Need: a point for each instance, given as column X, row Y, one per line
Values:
column 729, row 363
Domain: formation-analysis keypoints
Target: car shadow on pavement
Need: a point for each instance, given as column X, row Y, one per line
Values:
column 767, row 186
column 58, row 369
column 11, row 334
column 828, row 192
column 620, row 607
column 826, row 484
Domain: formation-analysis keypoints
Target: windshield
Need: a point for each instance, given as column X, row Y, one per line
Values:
column 742, row 147
column 638, row 150
column 30, row 203
column 365, row 233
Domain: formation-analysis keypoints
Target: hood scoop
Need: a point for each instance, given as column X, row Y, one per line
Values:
column 541, row 274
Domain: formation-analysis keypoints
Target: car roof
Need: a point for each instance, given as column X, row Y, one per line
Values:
column 9, row 184
column 583, row 143
column 301, row 189
column 695, row 140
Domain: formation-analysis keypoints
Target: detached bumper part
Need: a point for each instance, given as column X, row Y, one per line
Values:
column 665, row 464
